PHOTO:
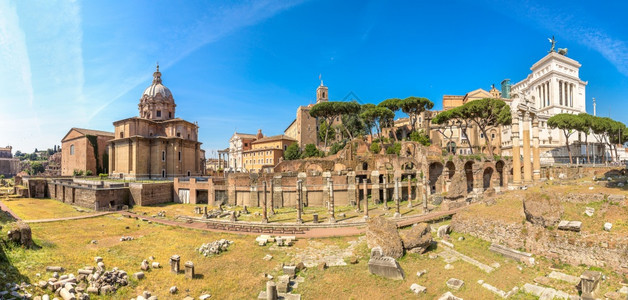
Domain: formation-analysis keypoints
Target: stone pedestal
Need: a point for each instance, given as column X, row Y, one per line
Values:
column 174, row 263
column 189, row 270
column 315, row 218
column 589, row 283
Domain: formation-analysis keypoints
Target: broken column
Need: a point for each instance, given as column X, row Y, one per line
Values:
column 375, row 188
column 299, row 185
column 385, row 194
column 366, row 203
column 332, row 217
column 409, row 191
column 265, row 206
column 189, row 270
column 397, row 211
column 271, row 291
column 174, row 264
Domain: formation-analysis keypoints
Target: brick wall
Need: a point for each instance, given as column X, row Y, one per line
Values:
column 150, row 193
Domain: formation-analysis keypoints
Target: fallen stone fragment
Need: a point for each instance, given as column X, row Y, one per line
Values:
column 386, row 267
column 449, row 296
column 417, row 289
column 173, row 290
column 608, row 226
column 139, row 275
column 455, row 284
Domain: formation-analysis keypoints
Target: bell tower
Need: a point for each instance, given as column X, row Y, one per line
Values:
column 322, row 92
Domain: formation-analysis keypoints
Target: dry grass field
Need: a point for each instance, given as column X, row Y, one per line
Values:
column 237, row 273
column 37, row 209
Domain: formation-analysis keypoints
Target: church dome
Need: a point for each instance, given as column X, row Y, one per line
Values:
column 157, row 89
column 157, row 102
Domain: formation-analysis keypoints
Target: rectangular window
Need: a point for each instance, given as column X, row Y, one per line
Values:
column 170, row 115
column 159, row 114
column 179, row 155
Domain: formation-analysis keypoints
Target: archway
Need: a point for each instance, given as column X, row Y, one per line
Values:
column 451, row 167
column 499, row 167
column 486, row 178
column 436, row 170
column 468, row 171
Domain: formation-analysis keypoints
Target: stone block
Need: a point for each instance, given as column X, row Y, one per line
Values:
column 290, row 270
column 443, row 231
column 449, row 296
column 282, row 283
column 417, row 289
column 455, row 284
column 386, row 267
column 608, row 226
column 564, row 277
column 139, row 275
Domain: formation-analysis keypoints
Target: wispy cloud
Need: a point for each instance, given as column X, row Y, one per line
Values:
column 41, row 82
column 210, row 27
column 562, row 21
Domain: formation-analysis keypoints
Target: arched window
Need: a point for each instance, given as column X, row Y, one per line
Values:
column 163, row 155
column 71, row 149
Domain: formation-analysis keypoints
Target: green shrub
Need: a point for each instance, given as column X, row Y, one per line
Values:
column 394, row 149
column 420, row 137
column 375, row 148
column 88, row 173
column 292, row 152
column 336, row 147
column 103, row 176
column 311, row 151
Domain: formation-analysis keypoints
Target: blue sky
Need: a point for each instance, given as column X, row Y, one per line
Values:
column 248, row 65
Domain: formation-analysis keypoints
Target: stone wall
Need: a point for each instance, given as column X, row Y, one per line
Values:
column 93, row 196
column 575, row 248
column 150, row 193
column 575, row 172
column 9, row 167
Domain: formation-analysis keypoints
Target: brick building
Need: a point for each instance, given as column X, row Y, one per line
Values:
column 83, row 150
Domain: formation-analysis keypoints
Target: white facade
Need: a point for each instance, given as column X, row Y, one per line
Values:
column 553, row 87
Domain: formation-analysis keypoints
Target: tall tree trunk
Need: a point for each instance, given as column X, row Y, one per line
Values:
column 326, row 133
column 568, row 148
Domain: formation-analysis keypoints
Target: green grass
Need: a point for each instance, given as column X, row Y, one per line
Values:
column 37, row 209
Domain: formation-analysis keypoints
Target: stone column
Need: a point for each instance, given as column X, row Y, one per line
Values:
column 299, row 184
column 189, row 270
column 265, row 208
column 365, row 190
column 174, row 263
column 417, row 188
column 516, row 155
column 385, row 193
column 536, row 158
column 351, row 188
column 375, row 187
column 409, row 191
column 527, row 163
column 357, row 194
column 424, row 194
column 271, row 290
column 366, row 202
column 332, row 217
column 397, row 212
column 272, row 197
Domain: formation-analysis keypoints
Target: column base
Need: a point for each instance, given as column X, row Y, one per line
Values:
column 299, row 221
column 332, row 220
column 397, row 215
column 366, row 218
